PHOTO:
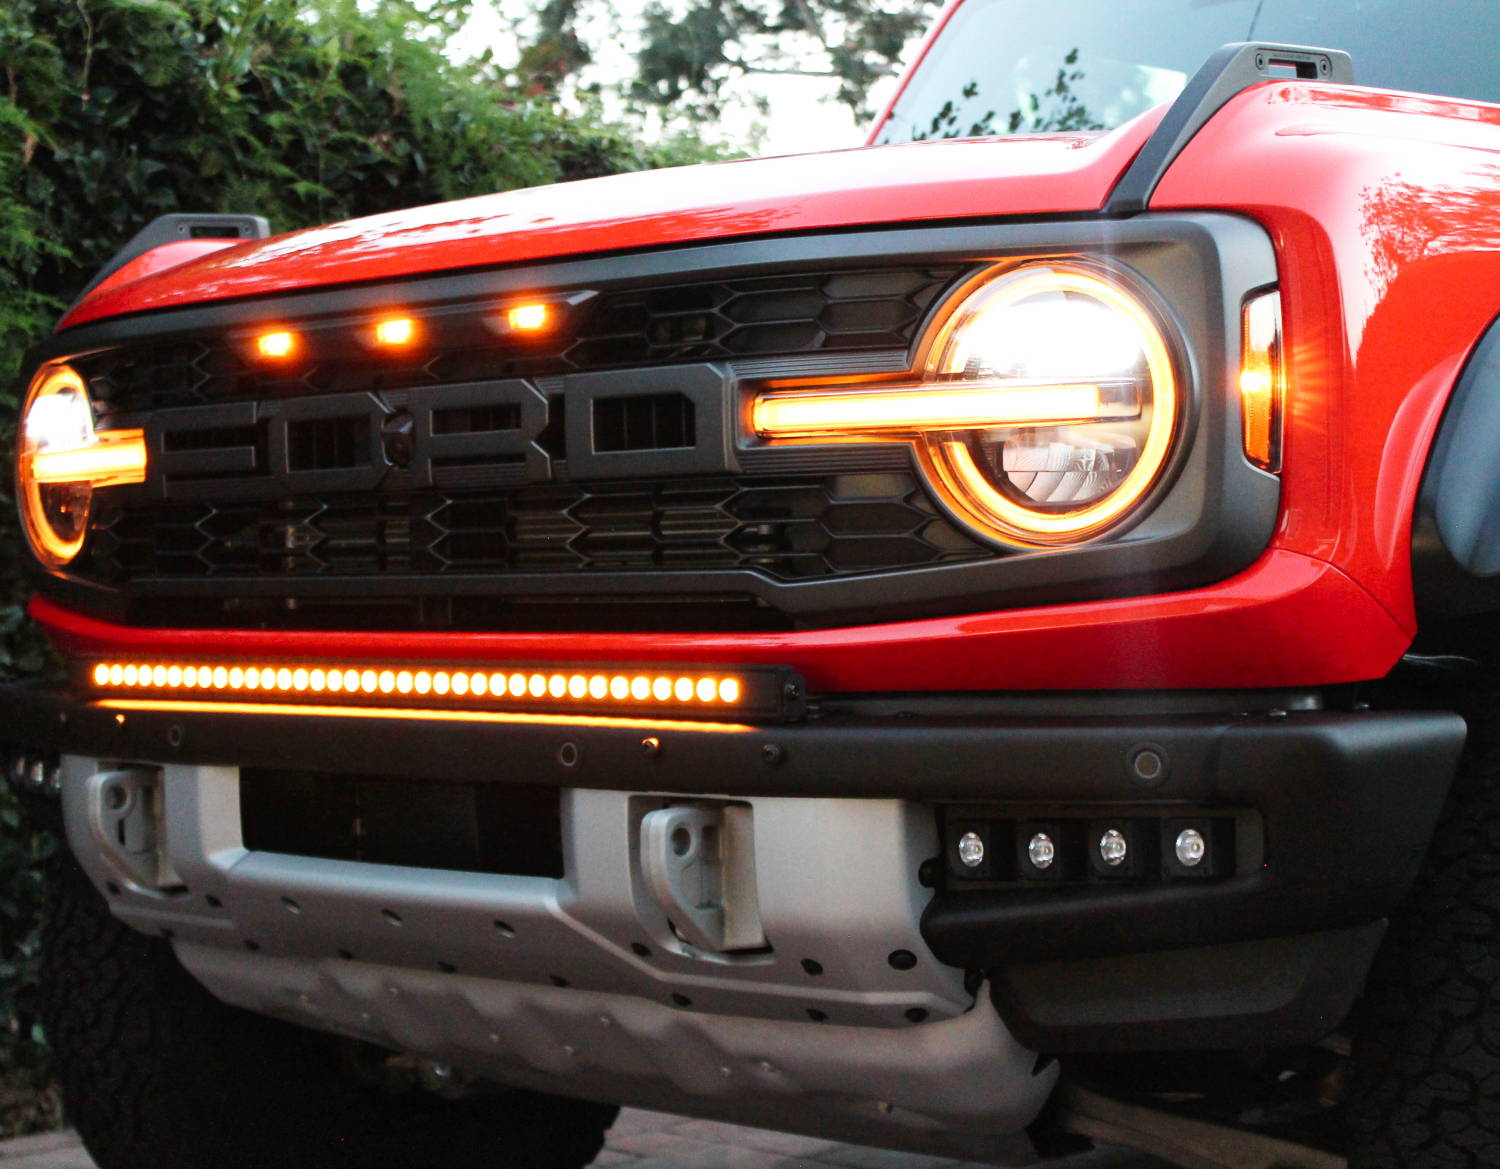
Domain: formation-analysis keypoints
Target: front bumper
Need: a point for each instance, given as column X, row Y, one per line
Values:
column 851, row 813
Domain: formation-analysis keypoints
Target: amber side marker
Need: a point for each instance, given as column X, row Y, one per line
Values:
column 768, row 692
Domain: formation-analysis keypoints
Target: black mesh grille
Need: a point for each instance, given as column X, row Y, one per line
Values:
column 785, row 528
column 787, row 314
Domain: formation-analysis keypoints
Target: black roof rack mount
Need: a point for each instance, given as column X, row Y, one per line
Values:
column 1232, row 68
column 175, row 227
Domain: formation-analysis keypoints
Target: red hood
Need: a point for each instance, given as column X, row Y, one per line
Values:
column 871, row 185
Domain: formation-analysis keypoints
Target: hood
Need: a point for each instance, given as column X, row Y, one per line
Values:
column 868, row 186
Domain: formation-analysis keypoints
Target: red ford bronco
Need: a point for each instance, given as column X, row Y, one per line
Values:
column 977, row 644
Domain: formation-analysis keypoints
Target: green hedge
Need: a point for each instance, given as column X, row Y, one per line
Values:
column 305, row 111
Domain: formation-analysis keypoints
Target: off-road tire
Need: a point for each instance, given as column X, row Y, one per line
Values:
column 1426, row 1088
column 157, row 1074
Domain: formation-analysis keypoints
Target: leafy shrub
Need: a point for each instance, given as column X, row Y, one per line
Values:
column 115, row 111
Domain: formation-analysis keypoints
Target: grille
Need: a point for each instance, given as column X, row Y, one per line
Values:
column 790, row 528
column 782, row 315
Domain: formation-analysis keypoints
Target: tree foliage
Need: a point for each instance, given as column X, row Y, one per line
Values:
column 690, row 52
column 115, row 111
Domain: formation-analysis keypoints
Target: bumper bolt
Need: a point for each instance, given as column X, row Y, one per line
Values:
column 651, row 747
column 772, row 754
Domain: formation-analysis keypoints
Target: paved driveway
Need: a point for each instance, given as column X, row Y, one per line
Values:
column 650, row 1140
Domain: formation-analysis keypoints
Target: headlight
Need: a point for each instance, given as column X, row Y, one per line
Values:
column 61, row 459
column 1046, row 409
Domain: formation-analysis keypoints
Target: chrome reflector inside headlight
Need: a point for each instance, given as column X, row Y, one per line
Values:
column 1046, row 409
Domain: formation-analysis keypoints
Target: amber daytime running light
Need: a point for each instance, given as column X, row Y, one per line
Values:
column 1045, row 409
column 1262, row 381
column 61, row 458
column 687, row 692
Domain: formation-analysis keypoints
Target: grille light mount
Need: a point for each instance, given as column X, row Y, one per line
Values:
column 763, row 693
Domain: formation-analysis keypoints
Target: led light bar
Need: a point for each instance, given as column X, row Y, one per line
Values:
column 767, row 692
column 112, row 457
column 998, row 404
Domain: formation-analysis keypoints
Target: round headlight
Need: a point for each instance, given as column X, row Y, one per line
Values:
column 55, row 418
column 1045, row 411
column 61, row 459
column 1078, row 337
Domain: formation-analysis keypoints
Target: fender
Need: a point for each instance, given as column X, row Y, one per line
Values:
column 1384, row 208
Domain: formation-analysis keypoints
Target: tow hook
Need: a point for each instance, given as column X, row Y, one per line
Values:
column 698, row 864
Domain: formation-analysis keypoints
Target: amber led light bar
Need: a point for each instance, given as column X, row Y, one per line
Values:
column 1012, row 402
column 688, row 692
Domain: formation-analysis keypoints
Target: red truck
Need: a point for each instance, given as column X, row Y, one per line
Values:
column 977, row 644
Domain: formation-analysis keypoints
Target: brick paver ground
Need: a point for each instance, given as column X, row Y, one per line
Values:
column 644, row 1140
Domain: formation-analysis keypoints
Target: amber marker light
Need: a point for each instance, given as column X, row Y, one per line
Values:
column 276, row 345
column 395, row 332
column 772, row 692
column 1262, row 381
column 528, row 318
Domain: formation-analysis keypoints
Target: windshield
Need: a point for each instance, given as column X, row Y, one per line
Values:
column 1016, row 67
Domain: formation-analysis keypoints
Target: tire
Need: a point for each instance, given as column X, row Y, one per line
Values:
column 1426, row 1086
column 157, row 1074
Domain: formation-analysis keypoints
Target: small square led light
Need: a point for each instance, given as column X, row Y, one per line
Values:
column 1197, row 848
column 1048, row 850
column 528, row 318
column 395, row 332
column 976, row 850
column 1122, row 849
column 276, row 345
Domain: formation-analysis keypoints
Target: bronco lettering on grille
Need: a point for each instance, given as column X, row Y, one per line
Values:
column 420, row 437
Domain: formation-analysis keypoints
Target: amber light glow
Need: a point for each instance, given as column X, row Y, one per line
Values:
column 1262, row 381
column 113, row 457
column 1046, row 409
column 61, row 459
column 460, row 686
column 528, row 318
column 318, row 710
column 916, row 408
column 276, row 345
column 395, row 332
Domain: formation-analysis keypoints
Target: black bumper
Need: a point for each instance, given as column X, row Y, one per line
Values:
column 1344, row 803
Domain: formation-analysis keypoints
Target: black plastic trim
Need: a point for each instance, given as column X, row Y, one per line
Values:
column 1213, row 519
column 1347, row 804
column 174, row 228
column 1229, row 70
column 1272, row 992
column 1347, row 801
